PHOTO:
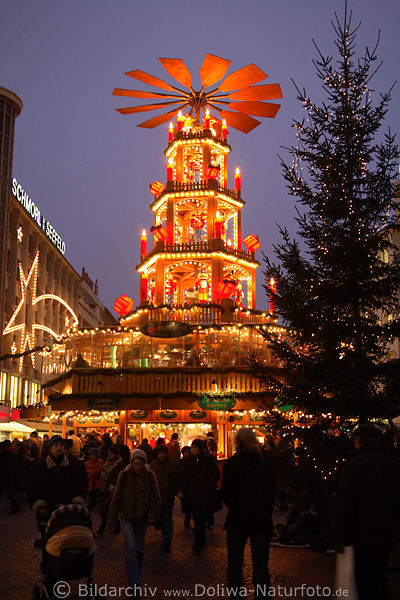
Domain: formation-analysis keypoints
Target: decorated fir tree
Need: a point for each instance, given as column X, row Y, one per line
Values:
column 336, row 290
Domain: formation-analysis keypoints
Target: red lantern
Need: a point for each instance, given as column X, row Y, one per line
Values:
column 252, row 243
column 123, row 305
column 225, row 288
column 160, row 233
column 212, row 172
column 156, row 188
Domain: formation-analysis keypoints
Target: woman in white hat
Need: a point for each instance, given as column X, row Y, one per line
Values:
column 137, row 503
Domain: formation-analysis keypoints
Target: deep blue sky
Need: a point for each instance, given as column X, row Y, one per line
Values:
column 88, row 168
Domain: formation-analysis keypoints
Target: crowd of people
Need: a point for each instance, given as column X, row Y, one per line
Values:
column 133, row 490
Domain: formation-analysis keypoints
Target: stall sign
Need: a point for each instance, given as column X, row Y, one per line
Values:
column 213, row 403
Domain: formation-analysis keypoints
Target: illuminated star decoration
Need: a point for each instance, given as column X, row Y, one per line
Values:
column 20, row 234
column 236, row 91
column 28, row 332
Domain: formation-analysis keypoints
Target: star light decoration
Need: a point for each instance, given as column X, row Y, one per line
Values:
column 236, row 91
column 28, row 331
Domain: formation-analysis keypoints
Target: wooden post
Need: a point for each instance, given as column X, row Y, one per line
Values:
column 122, row 425
column 50, row 427
column 64, row 428
column 75, row 426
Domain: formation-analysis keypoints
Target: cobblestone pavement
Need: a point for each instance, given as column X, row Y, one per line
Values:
column 178, row 570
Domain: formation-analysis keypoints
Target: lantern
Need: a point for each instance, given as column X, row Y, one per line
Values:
column 212, row 172
column 225, row 288
column 160, row 233
column 238, row 180
column 224, row 130
column 271, row 293
column 251, row 242
column 123, row 305
column 143, row 244
column 180, row 120
column 170, row 170
column 156, row 188
column 170, row 132
column 207, row 119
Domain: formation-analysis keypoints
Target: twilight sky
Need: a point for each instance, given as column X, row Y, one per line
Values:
column 88, row 168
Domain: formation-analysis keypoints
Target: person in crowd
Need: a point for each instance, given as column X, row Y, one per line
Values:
column 145, row 446
column 212, row 445
column 68, row 448
column 56, row 479
column 76, row 444
column 90, row 442
column 160, row 441
column 112, row 468
column 174, row 448
column 199, row 486
column 248, row 491
column 137, row 502
column 168, row 474
column 123, row 449
column 8, row 470
column 94, row 466
column 106, row 443
column 35, row 436
column 186, row 454
column 367, row 512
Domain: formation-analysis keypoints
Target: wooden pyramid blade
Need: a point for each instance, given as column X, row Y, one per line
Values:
column 243, row 77
column 259, row 109
column 145, row 107
column 213, row 69
column 269, row 91
column 140, row 94
column 177, row 69
column 156, row 121
column 239, row 121
column 150, row 80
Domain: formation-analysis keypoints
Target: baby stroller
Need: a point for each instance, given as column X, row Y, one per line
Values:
column 67, row 548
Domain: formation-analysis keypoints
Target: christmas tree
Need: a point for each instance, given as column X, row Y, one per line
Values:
column 338, row 282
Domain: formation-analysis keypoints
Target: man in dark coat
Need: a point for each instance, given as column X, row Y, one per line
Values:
column 368, row 512
column 124, row 451
column 57, row 479
column 248, row 491
column 168, row 474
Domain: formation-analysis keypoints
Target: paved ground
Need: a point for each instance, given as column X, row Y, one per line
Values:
column 178, row 570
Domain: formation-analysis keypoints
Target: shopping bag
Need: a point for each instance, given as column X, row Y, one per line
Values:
column 344, row 574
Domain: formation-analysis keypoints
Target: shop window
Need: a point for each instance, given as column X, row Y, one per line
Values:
column 14, row 381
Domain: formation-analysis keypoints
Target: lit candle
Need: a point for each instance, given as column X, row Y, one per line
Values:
column 143, row 286
column 170, row 170
column 218, row 225
column 143, row 244
column 170, row 132
column 207, row 119
column 272, row 291
column 224, row 129
column 180, row 120
column 238, row 180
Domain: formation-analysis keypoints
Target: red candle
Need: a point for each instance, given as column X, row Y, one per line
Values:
column 207, row 120
column 143, row 244
column 170, row 132
column 170, row 170
column 180, row 120
column 272, row 290
column 143, row 286
column 238, row 180
column 218, row 225
column 224, row 129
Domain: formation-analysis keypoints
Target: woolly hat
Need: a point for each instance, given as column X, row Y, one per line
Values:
column 138, row 453
column 55, row 439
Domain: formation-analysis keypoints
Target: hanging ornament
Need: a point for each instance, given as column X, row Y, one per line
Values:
column 123, row 305
column 252, row 243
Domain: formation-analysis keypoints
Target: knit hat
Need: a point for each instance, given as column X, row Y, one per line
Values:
column 55, row 439
column 138, row 453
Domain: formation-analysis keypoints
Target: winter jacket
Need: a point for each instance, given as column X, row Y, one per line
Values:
column 135, row 497
column 174, row 450
column 94, row 468
column 368, row 504
column 168, row 474
column 248, row 489
column 55, row 483
column 200, row 478
column 112, row 468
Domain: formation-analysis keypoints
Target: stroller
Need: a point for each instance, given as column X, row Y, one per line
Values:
column 67, row 548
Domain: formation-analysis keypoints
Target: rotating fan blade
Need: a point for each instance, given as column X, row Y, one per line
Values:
column 213, row 69
column 151, row 80
column 140, row 94
column 243, row 77
column 178, row 70
column 145, row 107
column 259, row 109
column 269, row 91
column 156, row 121
column 239, row 121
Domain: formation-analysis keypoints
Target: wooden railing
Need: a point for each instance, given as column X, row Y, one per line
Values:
column 213, row 245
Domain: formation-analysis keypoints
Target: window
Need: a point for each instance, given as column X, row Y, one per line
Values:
column 14, row 381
